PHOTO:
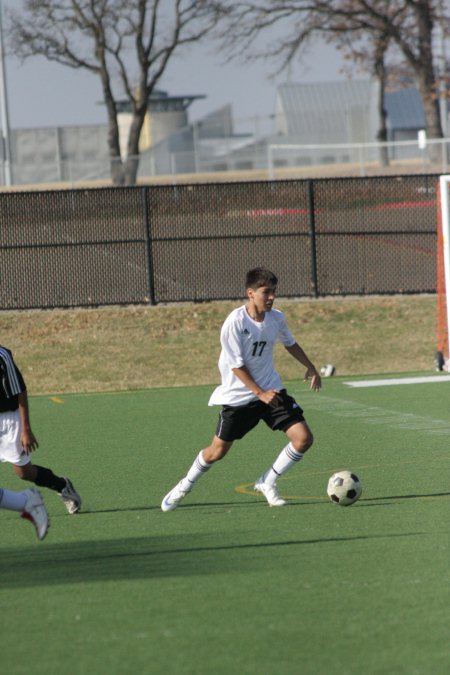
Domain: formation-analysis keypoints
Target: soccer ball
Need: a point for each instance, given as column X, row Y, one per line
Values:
column 344, row 488
column 328, row 370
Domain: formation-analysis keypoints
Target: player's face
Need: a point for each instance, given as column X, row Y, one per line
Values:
column 262, row 298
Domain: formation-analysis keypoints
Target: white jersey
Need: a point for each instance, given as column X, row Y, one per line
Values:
column 249, row 343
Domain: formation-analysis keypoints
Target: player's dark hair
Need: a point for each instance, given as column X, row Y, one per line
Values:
column 260, row 276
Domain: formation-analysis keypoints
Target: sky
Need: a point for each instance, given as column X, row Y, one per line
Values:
column 43, row 94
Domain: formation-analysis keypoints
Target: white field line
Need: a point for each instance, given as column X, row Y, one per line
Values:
column 399, row 380
column 371, row 414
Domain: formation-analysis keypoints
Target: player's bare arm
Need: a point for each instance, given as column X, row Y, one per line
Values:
column 27, row 439
column 311, row 373
column 269, row 396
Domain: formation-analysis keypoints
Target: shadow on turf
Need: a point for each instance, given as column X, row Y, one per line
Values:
column 374, row 500
column 87, row 512
column 158, row 507
column 364, row 501
column 48, row 564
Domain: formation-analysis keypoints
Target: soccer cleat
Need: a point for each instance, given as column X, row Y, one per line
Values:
column 270, row 492
column 70, row 497
column 36, row 512
column 174, row 497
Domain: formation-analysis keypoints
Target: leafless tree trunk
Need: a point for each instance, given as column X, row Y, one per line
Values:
column 354, row 25
column 126, row 43
column 380, row 74
column 417, row 48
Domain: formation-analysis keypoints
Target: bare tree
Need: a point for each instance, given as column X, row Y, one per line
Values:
column 371, row 54
column 368, row 27
column 409, row 26
column 126, row 43
column 379, row 71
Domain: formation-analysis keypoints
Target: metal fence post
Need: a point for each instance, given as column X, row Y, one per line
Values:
column 312, row 238
column 148, row 247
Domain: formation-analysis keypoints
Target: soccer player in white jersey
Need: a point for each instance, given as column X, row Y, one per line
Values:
column 30, row 505
column 252, row 390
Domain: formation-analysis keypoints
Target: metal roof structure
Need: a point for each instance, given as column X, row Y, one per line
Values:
column 405, row 110
column 327, row 112
column 160, row 101
column 344, row 112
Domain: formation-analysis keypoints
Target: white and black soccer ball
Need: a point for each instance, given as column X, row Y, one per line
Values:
column 328, row 370
column 344, row 488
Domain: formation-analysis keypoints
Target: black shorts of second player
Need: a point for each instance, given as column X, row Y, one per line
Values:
column 236, row 421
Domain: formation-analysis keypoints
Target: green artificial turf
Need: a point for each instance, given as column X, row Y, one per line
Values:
column 226, row 585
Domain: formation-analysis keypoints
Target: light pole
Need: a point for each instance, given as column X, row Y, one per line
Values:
column 442, row 71
column 4, row 109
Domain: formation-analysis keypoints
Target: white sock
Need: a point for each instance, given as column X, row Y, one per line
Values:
column 198, row 468
column 285, row 460
column 13, row 501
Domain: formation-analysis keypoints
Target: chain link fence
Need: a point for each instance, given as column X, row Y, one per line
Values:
column 164, row 243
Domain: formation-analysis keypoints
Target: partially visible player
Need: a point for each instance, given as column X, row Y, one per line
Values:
column 252, row 390
column 17, row 440
column 30, row 505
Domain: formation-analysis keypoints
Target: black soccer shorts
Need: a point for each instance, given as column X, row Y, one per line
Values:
column 236, row 421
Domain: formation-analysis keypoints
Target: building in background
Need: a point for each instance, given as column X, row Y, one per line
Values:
column 338, row 122
column 203, row 146
column 59, row 154
column 334, row 123
column 165, row 116
column 327, row 113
